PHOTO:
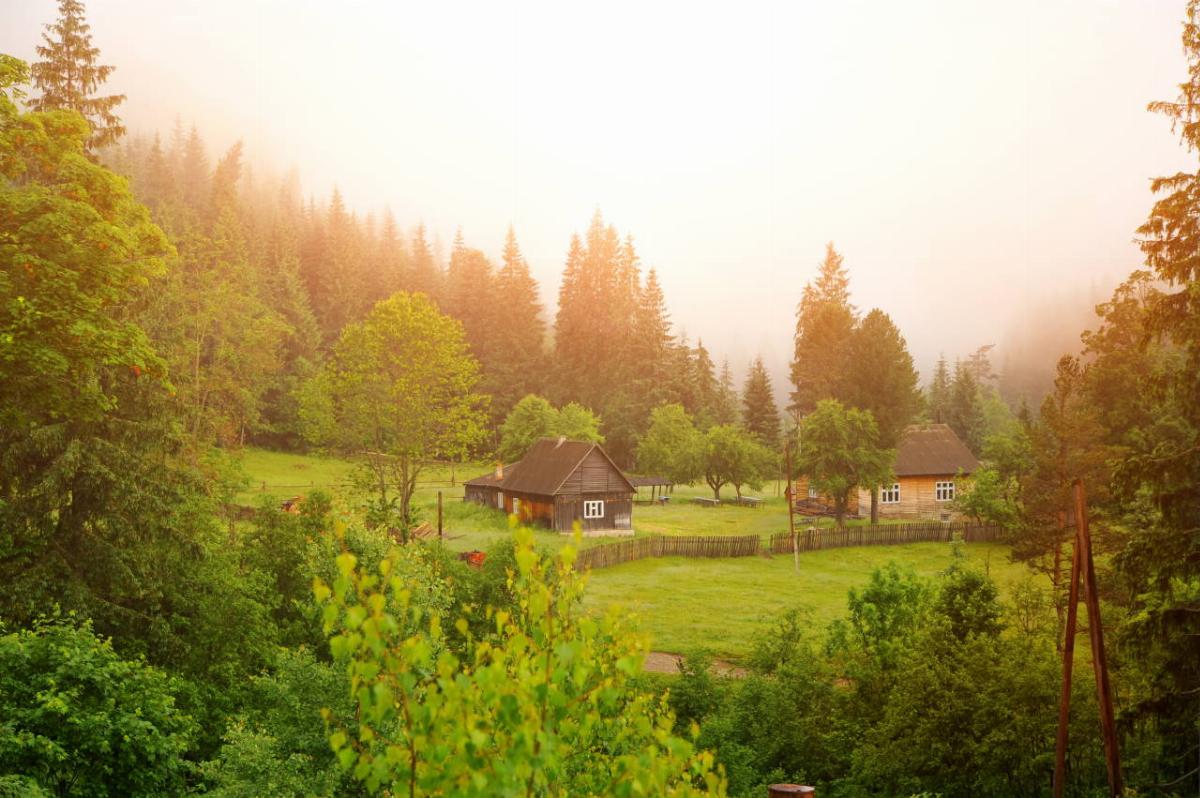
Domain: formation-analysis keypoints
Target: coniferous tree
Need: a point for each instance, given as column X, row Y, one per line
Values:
column 965, row 408
column 883, row 381
column 425, row 277
column 939, row 393
column 705, row 383
column 68, row 75
column 825, row 320
column 519, row 330
column 760, row 416
column 726, row 409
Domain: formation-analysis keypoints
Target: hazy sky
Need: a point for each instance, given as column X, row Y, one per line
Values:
column 968, row 158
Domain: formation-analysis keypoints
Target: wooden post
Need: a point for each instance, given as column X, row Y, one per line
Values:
column 439, row 516
column 791, row 503
column 1068, row 649
column 1108, row 726
column 788, row 790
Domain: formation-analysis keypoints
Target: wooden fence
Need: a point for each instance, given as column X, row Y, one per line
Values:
column 669, row 546
column 807, row 540
column 885, row 535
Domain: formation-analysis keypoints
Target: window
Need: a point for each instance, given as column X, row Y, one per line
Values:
column 890, row 495
column 812, row 492
column 593, row 509
column 943, row 491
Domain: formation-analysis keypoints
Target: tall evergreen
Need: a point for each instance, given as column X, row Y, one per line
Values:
column 425, row 276
column 726, row 410
column 519, row 330
column 939, row 393
column 965, row 408
column 760, row 415
column 68, row 75
column 825, row 320
column 705, row 383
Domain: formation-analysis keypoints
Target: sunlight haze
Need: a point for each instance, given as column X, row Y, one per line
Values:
column 970, row 160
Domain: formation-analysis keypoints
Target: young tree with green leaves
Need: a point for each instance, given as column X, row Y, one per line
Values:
column 68, row 76
column 672, row 447
column 534, row 418
column 398, row 391
column 543, row 705
column 840, row 452
column 733, row 457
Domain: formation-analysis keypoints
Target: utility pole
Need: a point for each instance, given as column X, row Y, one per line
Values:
column 1083, row 569
column 791, row 503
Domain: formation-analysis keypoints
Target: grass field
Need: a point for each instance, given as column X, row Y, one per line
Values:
column 721, row 604
column 683, row 604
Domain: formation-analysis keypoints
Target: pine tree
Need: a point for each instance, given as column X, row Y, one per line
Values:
column 68, row 75
column 939, row 392
column 965, row 408
column 760, row 415
column 425, row 277
column 520, row 330
column 726, row 409
column 704, row 383
column 825, row 320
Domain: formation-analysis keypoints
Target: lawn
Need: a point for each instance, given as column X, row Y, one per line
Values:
column 683, row 603
column 721, row 604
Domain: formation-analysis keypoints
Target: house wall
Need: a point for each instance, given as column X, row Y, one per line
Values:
column 594, row 475
column 853, row 504
column 918, row 499
column 618, row 511
column 530, row 509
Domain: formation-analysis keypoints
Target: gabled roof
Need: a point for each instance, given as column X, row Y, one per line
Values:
column 545, row 467
column 931, row 450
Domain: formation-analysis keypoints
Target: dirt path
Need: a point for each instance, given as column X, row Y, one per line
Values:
column 666, row 662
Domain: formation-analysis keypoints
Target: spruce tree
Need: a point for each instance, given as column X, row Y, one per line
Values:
column 939, row 392
column 965, row 410
column 726, row 409
column 705, row 383
column 519, row 330
column 68, row 75
column 760, row 415
column 425, row 277
column 825, row 320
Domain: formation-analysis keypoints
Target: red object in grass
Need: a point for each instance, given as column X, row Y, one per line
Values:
column 473, row 558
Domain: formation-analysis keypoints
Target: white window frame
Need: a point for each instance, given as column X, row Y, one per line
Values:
column 943, row 491
column 593, row 509
column 890, row 495
column 813, row 493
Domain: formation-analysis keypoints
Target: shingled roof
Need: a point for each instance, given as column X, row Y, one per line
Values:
column 932, row 449
column 545, row 467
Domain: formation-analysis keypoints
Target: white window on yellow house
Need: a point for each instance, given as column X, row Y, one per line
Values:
column 813, row 493
column 943, row 491
column 890, row 495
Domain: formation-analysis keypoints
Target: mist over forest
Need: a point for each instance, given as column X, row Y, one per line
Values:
column 525, row 399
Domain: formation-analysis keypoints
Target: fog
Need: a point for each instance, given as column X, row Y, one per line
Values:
column 969, row 159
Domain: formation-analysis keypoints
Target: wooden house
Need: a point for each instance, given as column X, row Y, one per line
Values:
column 932, row 464
column 558, row 483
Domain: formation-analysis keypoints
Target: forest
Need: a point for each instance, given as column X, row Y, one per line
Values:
column 164, row 308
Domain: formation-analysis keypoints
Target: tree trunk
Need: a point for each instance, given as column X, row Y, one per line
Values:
column 875, row 505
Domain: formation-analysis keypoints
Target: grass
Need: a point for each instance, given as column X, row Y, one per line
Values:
column 683, row 603
column 722, row 604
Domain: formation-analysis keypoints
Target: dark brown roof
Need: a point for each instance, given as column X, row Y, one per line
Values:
column 932, row 449
column 545, row 467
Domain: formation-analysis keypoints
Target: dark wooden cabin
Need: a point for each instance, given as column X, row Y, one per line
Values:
column 557, row 484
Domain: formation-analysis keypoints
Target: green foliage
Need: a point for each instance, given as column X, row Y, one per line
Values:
column 277, row 745
column 534, row 418
column 398, row 391
column 840, row 452
column 540, row 706
column 80, row 721
column 733, row 457
column 987, row 498
column 825, row 322
column 672, row 447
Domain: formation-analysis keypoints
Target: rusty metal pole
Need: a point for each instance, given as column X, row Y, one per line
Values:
column 1064, row 700
column 1108, row 726
column 791, row 503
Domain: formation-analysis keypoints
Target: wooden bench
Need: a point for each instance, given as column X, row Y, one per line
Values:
column 750, row 501
column 705, row 502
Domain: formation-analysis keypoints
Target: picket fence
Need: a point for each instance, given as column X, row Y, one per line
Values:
column 806, row 540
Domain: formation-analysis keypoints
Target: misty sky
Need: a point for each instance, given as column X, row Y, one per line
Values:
column 969, row 159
